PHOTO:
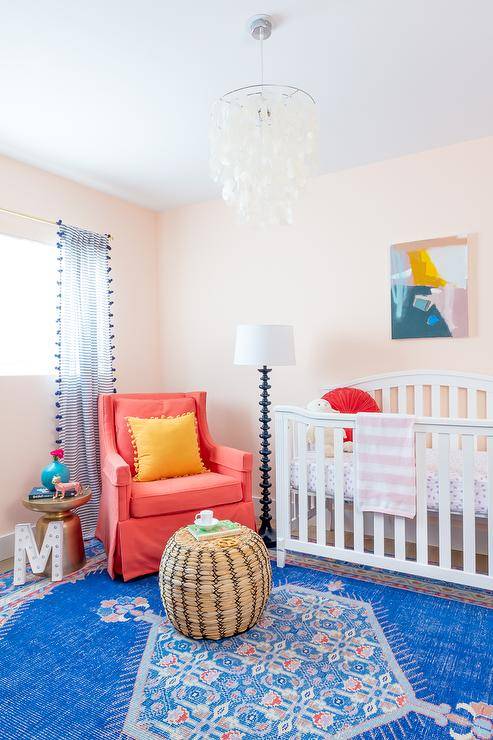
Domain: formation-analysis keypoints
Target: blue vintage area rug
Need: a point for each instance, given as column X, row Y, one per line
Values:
column 347, row 653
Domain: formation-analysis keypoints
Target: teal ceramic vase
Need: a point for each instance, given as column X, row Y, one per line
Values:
column 54, row 468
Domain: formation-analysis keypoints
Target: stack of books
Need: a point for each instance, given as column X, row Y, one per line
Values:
column 44, row 494
column 225, row 528
column 40, row 493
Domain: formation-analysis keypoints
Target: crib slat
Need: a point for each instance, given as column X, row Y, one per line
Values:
column 378, row 534
column 444, row 539
column 468, row 505
column 418, row 400
column 489, row 405
column 400, row 537
column 339, row 488
column 292, row 453
column 453, row 402
column 472, row 407
column 435, row 410
column 402, row 399
column 386, row 400
column 421, row 500
column 320, row 484
column 490, row 505
column 294, row 507
column 358, row 520
column 302, row 484
column 453, row 412
column 283, row 487
column 288, row 434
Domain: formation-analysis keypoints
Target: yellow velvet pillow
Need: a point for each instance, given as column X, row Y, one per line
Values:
column 167, row 447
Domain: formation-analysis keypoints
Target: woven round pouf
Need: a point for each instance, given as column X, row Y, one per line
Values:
column 214, row 588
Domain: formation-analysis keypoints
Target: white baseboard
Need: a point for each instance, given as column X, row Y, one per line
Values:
column 6, row 545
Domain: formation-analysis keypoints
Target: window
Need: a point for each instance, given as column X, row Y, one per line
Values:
column 27, row 306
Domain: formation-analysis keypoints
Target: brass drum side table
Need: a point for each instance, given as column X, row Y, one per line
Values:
column 74, row 556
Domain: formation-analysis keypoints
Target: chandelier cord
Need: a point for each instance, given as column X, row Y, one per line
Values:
column 262, row 58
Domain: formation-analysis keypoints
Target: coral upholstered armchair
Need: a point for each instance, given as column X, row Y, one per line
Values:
column 137, row 519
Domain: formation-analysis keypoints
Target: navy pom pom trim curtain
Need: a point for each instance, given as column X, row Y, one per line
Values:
column 85, row 354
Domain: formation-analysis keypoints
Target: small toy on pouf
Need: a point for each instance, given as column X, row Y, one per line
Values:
column 320, row 404
column 73, row 487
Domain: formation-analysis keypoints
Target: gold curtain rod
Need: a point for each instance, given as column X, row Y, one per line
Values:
column 33, row 218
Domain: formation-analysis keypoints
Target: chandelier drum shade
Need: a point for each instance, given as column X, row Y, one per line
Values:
column 263, row 145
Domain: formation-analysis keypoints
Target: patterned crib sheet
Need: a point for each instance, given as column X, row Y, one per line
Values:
column 456, row 479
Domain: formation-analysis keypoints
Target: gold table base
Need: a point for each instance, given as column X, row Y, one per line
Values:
column 74, row 556
column 55, row 510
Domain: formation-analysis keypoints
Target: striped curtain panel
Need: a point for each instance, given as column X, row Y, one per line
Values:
column 84, row 355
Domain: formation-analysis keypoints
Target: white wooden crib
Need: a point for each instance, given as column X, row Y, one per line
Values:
column 451, row 537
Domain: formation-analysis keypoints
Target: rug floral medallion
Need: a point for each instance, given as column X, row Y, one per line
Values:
column 330, row 657
column 315, row 665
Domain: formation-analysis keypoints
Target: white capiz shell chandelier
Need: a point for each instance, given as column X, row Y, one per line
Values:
column 263, row 145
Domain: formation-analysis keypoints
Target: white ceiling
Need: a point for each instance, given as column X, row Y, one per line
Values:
column 117, row 93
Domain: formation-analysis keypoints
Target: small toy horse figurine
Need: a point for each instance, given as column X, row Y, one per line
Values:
column 63, row 488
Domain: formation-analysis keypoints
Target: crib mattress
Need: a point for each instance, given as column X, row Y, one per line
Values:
column 456, row 479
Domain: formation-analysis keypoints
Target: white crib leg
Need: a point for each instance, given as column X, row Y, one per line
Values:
column 283, row 514
column 281, row 553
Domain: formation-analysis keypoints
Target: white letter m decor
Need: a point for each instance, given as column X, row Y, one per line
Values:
column 25, row 543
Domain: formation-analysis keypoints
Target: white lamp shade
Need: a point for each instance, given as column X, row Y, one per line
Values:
column 264, row 344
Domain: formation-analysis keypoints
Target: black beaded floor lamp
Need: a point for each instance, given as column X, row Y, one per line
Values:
column 263, row 346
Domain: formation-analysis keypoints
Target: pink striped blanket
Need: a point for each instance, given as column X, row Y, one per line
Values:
column 385, row 464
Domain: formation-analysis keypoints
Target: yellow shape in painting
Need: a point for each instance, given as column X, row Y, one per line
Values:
column 424, row 270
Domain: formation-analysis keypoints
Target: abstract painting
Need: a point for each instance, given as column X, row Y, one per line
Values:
column 429, row 288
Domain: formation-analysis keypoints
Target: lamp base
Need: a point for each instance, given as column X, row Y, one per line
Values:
column 269, row 538
column 266, row 532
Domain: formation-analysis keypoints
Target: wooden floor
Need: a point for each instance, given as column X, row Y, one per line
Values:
column 481, row 560
column 6, row 565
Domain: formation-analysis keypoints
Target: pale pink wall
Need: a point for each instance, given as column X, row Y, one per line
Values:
column 26, row 403
column 328, row 274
